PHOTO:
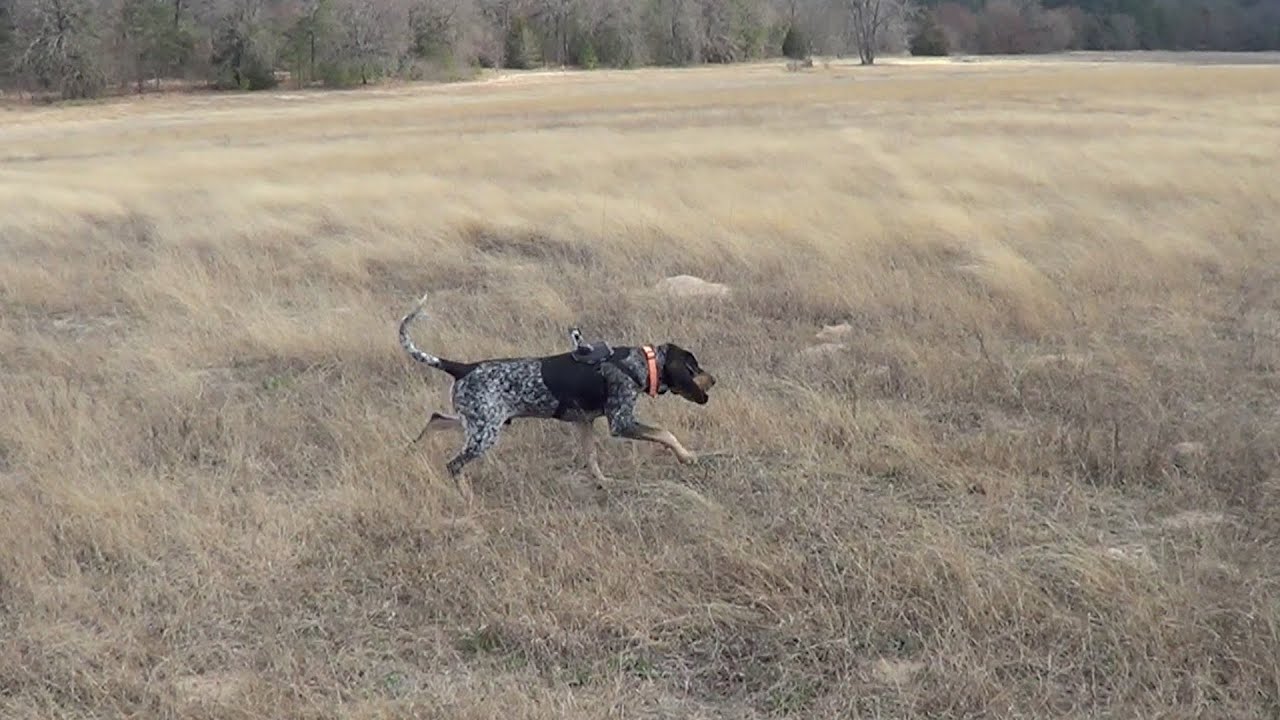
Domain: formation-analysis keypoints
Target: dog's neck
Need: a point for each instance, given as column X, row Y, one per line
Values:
column 638, row 367
column 659, row 362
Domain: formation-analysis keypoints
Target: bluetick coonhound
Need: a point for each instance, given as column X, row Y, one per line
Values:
column 576, row 387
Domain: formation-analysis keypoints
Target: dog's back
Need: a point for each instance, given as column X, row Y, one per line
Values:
column 575, row 385
column 552, row 386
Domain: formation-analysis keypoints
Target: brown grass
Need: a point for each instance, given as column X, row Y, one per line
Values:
column 1054, row 274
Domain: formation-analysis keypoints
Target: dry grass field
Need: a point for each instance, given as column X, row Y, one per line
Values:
column 1036, row 477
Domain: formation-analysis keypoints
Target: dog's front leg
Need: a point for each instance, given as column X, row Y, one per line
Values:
column 640, row 431
column 623, row 423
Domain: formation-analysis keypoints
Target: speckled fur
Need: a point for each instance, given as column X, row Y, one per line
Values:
column 489, row 394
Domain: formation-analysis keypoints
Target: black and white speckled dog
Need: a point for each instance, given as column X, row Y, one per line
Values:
column 490, row 393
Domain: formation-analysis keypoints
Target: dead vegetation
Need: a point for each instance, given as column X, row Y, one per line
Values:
column 1033, row 473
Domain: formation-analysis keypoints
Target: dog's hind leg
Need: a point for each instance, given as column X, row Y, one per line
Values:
column 439, row 422
column 481, row 436
column 590, row 450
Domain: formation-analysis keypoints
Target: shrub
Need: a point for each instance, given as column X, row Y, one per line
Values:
column 794, row 44
column 240, row 62
column 929, row 39
column 337, row 74
column 520, row 47
column 587, row 58
column 582, row 52
column 446, row 69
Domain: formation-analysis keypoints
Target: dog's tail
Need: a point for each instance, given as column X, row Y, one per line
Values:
column 456, row 369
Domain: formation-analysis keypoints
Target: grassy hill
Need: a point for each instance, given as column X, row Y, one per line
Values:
column 1035, row 476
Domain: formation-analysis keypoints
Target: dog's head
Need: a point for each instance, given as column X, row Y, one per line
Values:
column 681, row 373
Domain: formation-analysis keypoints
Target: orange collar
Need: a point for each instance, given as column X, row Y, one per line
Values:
column 651, row 358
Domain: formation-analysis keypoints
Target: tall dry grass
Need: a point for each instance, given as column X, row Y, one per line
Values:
column 1054, row 274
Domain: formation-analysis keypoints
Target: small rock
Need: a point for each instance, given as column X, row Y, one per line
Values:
column 1270, row 489
column 217, row 688
column 823, row 350
column 1185, row 454
column 832, row 333
column 881, row 374
column 1215, row 571
column 1065, row 361
column 1193, row 520
column 1135, row 555
column 690, row 286
column 895, row 672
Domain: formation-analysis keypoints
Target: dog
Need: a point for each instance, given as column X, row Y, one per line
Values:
column 571, row 387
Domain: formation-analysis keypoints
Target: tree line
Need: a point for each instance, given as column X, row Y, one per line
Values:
column 84, row 48
column 1021, row 26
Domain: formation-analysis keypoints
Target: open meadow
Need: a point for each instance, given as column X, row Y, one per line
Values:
column 1037, row 474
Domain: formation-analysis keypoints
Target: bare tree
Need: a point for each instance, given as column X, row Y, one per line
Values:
column 8, row 43
column 1023, row 26
column 555, row 19
column 819, row 23
column 960, row 25
column 375, row 35
column 873, row 21
column 434, row 27
column 616, row 29
column 59, row 47
column 496, row 17
column 311, row 33
column 675, row 31
column 146, row 42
